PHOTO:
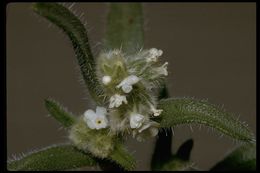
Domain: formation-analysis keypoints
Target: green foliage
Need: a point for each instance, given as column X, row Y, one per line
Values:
column 92, row 147
column 177, row 111
column 122, row 157
column 125, row 27
column 54, row 158
column 184, row 151
column 162, row 150
column 242, row 158
column 99, row 143
column 59, row 113
column 177, row 162
column 75, row 30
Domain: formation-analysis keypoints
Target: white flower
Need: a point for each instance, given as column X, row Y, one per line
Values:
column 147, row 125
column 116, row 100
column 156, row 112
column 163, row 69
column 96, row 120
column 147, row 130
column 127, row 83
column 154, row 54
column 136, row 120
column 106, row 80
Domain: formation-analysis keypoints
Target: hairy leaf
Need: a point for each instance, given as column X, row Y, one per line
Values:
column 75, row 30
column 59, row 113
column 176, row 164
column 122, row 157
column 53, row 158
column 164, row 160
column 242, row 158
column 162, row 150
column 185, row 150
column 125, row 27
column 177, row 111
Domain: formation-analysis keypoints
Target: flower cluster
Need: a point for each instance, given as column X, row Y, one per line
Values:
column 130, row 85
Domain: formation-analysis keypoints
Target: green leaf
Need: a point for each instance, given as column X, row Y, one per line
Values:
column 125, row 27
column 177, row 111
column 162, row 150
column 122, row 157
column 242, row 158
column 163, row 160
column 59, row 113
column 185, row 150
column 53, row 158
column 176, row 164
column 75, row 30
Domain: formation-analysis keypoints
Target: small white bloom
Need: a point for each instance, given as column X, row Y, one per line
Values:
column 154, row 54
column 156, row 112
column 163, row 69
column 151, row 124
column 106, row 80
column 127, row 83
column 147, row 130
column 116, row 100
column 136, row 120
column 96, row 120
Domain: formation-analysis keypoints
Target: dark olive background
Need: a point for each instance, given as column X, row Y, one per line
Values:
column 211, row 49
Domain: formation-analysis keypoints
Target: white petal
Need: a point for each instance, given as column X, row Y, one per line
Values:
column 157, row 112
column 117, row 100
column 127, row 83
column 89, row 114
column 153, row 55
column 127, row 88
column 136, row 120
column 155, row 52
column 151, row 124
column 96, row 120
column 132, row 79
column 124, row 99
column 162, row 70
column 144, row 127
column 101, row 122
column 90, row 123
column 111, row 104
column 101, row 111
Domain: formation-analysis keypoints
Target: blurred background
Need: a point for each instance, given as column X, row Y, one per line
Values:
column 210, row 47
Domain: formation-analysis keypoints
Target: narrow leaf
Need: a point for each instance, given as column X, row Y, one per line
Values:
column 176, row 164
column 122, row 157
column 59, row 113
column 125, row 27
column 185, row 150
column 242, row 158
column 75, row 30
column 177, row 111
column 162, row 151
column 58, row 158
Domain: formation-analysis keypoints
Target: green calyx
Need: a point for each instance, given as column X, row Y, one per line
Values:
column 98, row 142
